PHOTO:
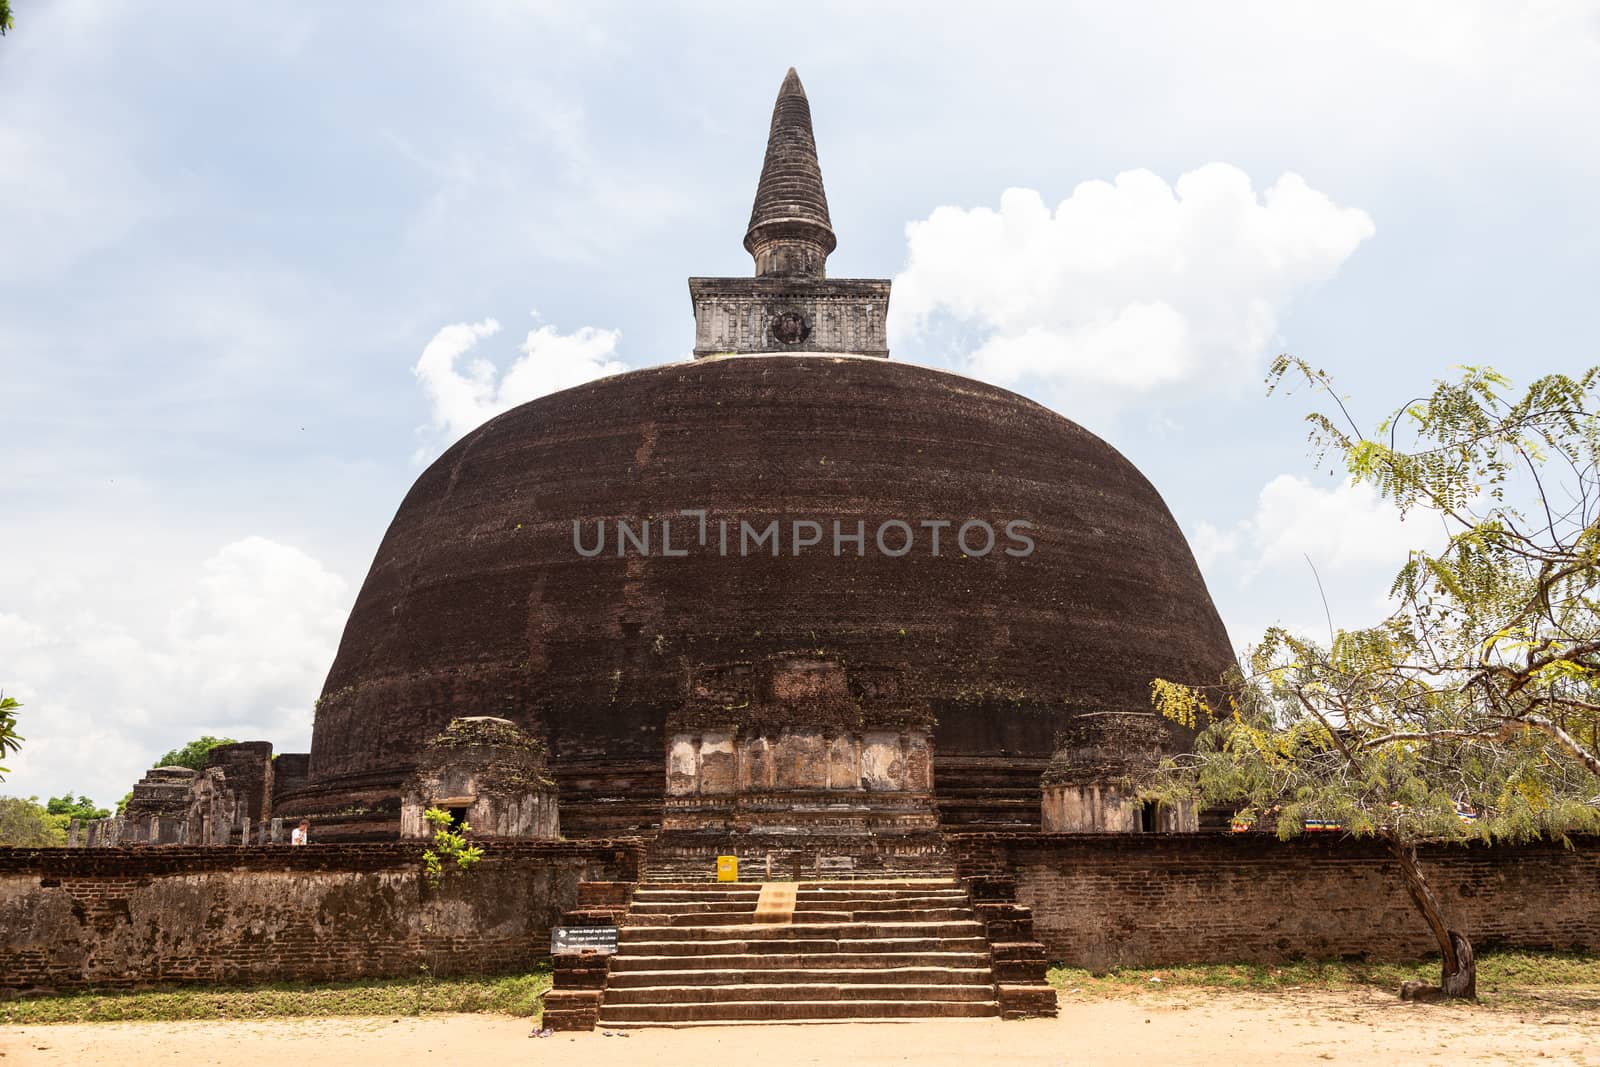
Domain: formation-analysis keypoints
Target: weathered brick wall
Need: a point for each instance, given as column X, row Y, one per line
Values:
column 1151, row 899
column 138, row 916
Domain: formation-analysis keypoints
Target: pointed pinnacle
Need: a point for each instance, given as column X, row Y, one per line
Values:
column 790, row 190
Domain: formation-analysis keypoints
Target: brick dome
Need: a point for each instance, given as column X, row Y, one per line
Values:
column 479, row 603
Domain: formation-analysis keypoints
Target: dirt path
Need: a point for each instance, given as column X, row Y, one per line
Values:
column 1215, row 1029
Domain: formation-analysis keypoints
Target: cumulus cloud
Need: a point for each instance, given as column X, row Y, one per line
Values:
column 1354, row 539
column 464, row 398
column 1126, row 286
column 1341, row 527
column 240, row 647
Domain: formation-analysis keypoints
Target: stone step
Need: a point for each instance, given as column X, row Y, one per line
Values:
column 623, row 1015
column 756, row 946
column 995, row 826
column 805, row 916
column 874, row 885
column 706, row 875
column 792, row 993
column 957, row 928
column 868, row 891
column 700, row 908
column 882, row 913
column 695, row 890
column 803, row 973
column 833, row 899
column 682, row 903
column 1021, row 811
column 736, row 962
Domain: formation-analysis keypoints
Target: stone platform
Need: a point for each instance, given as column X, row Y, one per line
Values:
column 692, row 856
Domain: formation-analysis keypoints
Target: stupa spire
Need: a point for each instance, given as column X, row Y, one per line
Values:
column 790, row 233
column 790, row 305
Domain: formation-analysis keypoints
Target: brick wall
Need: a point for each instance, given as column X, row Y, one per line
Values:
column 1151, row 899
column 139, row 916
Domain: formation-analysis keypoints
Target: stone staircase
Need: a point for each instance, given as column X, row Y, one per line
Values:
column 973, row 794
column 693, row 954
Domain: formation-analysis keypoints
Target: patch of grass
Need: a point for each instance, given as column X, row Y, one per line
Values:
column 507, row 995
column 1502, row 976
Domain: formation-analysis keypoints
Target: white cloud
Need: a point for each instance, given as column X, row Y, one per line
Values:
column 1306, row 547
column 1125, row 286
column 239, row 646
column 259, row 630
column 1341, row 528
column 464, row 399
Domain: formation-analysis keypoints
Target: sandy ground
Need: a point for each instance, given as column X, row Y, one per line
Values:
column 1217, row 1029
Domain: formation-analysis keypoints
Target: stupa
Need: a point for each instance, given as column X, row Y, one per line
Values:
column 788, row 586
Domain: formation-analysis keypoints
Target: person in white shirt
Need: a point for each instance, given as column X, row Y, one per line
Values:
column 302, row 833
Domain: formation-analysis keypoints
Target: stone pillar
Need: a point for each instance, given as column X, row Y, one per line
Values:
column 72, row 833
column 277, row 831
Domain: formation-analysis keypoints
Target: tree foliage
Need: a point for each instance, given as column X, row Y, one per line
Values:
column 5, row 17
column 449, row 846
column 10, row 740
column 1473, row 710
column 193, row 755
column 80, row 807
column 24, row 823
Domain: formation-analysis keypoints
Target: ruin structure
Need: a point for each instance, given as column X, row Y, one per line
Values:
column 229, row 801
column 1102, row 762
column 490, row 776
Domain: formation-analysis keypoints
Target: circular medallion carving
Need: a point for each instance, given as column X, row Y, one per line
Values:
column 790, row 328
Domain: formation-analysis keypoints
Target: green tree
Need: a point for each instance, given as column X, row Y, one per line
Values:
column 10, row 740
column 1473, row 710
column 5, row 17
column 80, row 808
column 192, row 755
column 24, row 823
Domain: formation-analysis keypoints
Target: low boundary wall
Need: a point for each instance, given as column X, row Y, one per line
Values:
column 120, row 917
column 1105, row 900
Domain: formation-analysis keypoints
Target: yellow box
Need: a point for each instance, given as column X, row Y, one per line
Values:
column 727, row 868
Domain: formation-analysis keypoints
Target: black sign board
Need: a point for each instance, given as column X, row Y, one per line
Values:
column 571, row 940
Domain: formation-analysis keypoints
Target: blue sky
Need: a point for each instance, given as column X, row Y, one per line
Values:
column 230, row 233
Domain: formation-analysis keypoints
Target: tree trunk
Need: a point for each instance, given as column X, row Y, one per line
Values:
column 1459, row 971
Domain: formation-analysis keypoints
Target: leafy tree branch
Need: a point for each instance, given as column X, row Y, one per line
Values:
column 1473, row 710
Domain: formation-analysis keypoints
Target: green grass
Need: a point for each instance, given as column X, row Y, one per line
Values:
column 509, row 995
column 1502, row 976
